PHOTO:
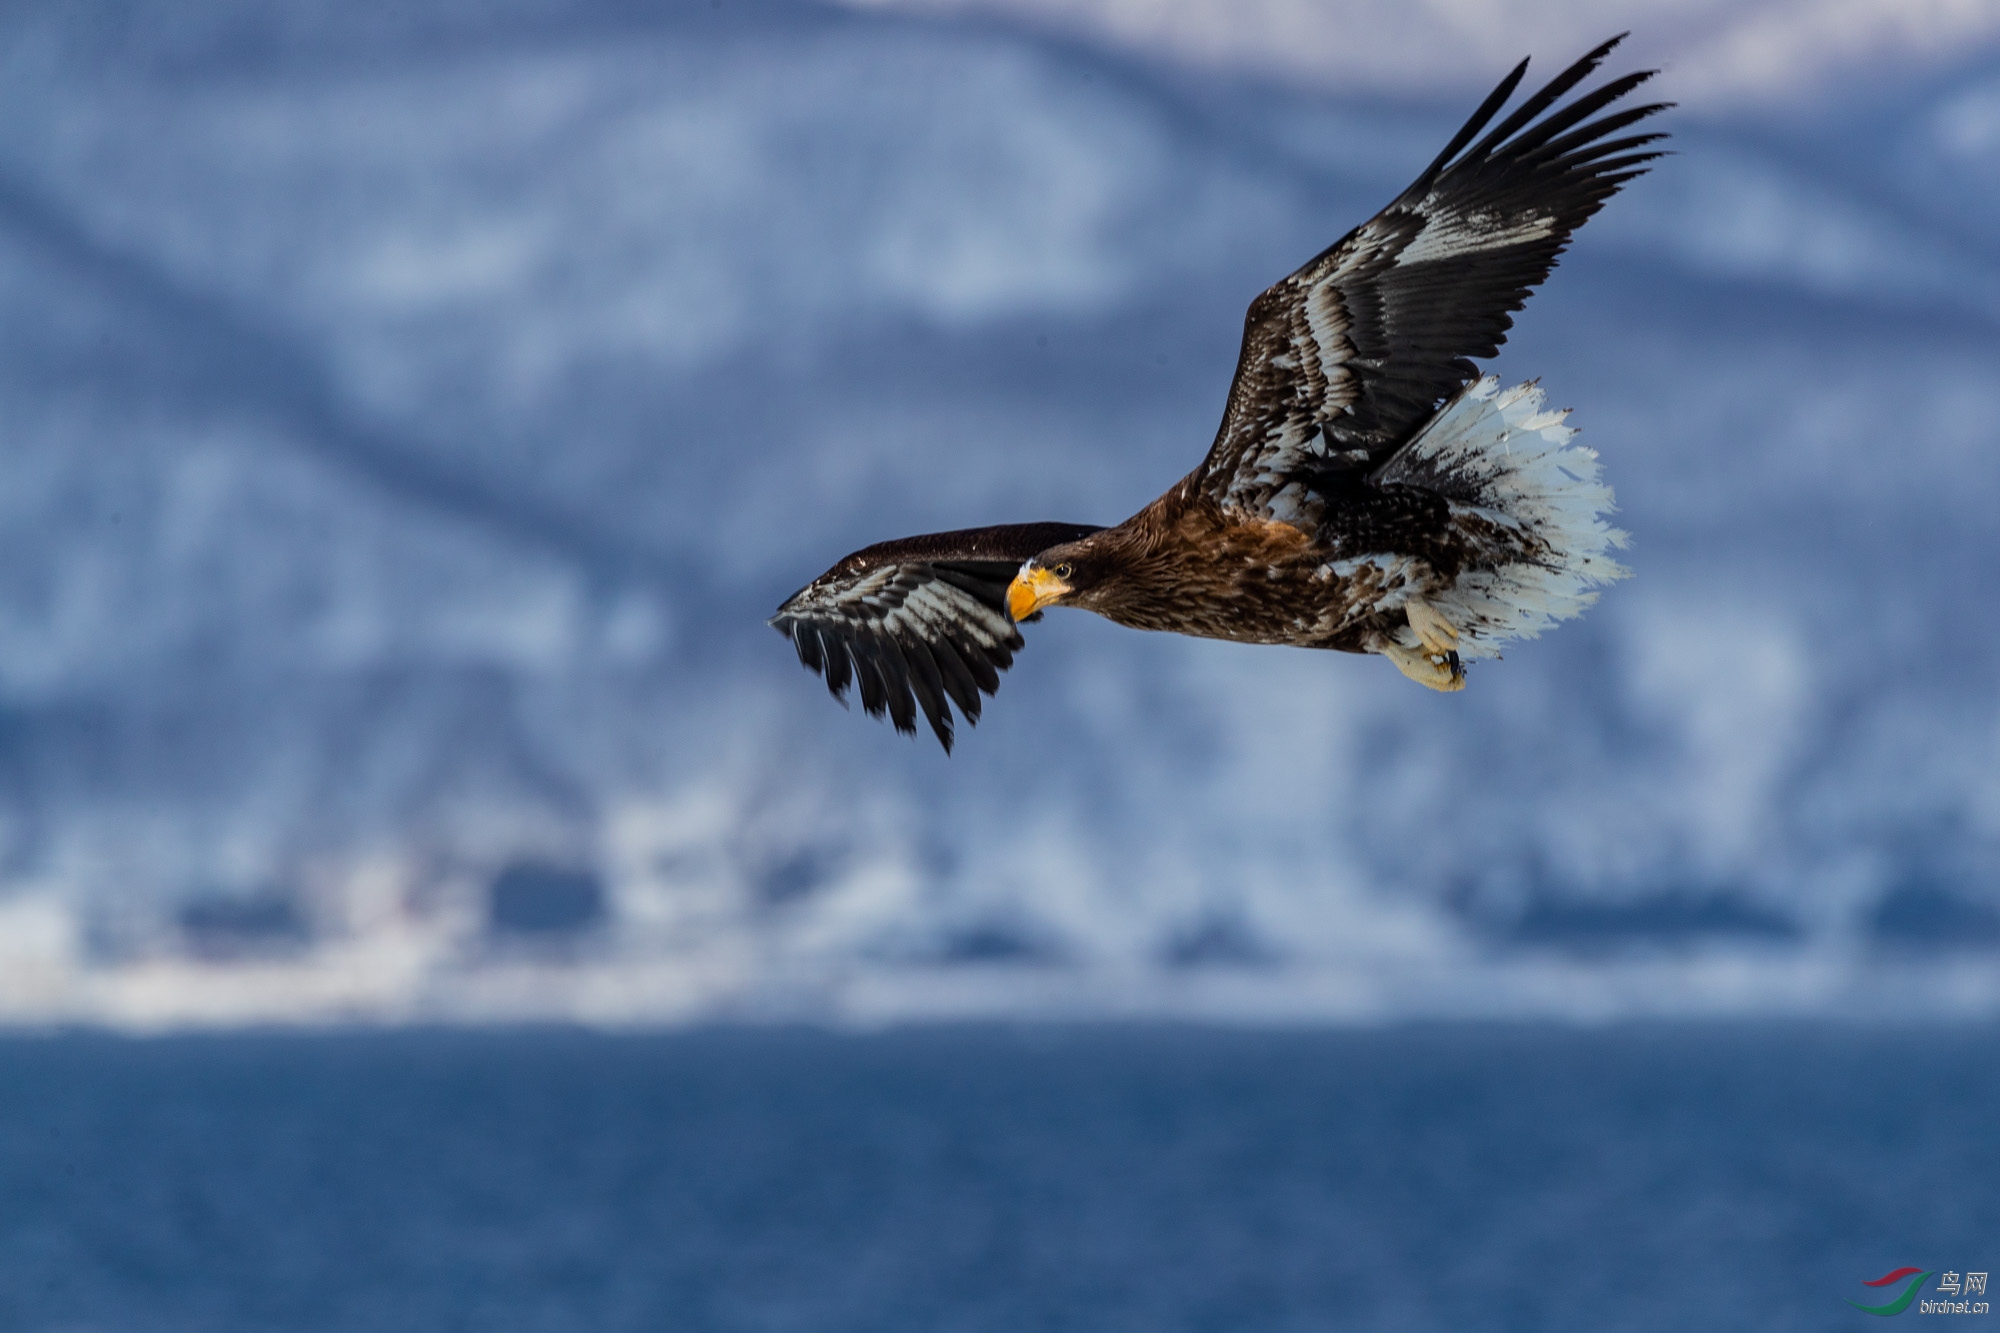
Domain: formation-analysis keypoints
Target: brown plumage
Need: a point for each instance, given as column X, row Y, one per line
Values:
column 1188, row 565
column 1366, row 491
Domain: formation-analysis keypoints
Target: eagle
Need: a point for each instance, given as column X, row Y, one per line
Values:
column 1368, row 491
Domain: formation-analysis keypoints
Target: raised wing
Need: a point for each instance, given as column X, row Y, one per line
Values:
column 1343, row 359
column 919, row 621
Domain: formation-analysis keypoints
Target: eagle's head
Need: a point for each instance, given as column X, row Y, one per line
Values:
column 1066, row 575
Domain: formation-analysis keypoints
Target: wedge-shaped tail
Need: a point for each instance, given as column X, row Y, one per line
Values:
column 1532, row 503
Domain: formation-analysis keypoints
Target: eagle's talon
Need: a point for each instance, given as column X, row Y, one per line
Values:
column 1446, row 675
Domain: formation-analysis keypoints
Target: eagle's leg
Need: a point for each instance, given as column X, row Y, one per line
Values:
column 1434, row 663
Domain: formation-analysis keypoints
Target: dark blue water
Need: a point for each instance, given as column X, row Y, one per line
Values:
column 991, row 1179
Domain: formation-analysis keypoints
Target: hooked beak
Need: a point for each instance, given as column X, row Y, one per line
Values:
column 1032, row 589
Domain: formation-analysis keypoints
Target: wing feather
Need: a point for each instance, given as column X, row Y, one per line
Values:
column 1345, row 357
column 919, row 624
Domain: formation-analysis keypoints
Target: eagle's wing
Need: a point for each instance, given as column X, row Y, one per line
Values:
column 1348, row 355
column 919, row 621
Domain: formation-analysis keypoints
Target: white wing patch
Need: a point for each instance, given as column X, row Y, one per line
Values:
column 1261, row 487
column 936, row 610
column 1446, row 234
column 1326, row 348
column 896, row 600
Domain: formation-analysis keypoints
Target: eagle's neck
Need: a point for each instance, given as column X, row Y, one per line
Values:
column 1180, row 564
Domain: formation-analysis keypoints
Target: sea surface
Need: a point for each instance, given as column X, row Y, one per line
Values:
column 991, row 1178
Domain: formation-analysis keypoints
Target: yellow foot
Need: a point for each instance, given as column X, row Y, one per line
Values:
column 1435, row 663
column 1424, row 669
column 1438, row 636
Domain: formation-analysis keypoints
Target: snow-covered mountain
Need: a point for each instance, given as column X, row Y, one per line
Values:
column 408, row 416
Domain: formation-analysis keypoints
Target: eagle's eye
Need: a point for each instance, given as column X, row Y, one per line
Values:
column 1064, row 570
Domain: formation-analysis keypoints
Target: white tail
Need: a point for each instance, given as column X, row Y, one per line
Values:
column 1534, row 503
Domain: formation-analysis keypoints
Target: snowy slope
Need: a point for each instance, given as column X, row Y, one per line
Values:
column 410, row 417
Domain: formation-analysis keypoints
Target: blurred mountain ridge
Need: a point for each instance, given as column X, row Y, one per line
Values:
column 412, row 413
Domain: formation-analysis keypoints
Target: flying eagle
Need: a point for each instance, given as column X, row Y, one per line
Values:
column 1368, row 491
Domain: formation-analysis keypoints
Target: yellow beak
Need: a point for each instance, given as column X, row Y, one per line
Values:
column 1031, row 590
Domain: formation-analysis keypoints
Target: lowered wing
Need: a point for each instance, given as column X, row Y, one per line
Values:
column 1344, row 358
column 919, row 623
